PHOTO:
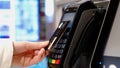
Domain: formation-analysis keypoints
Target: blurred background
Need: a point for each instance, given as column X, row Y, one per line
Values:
column 30, row 20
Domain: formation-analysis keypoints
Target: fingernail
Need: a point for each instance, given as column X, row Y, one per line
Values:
column 45, row 42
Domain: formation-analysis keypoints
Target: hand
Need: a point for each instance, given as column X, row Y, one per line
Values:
column 28, row 53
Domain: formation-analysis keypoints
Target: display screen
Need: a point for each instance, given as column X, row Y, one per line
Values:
column 69, row 17
column 27, row 20
column 5, row 19
column 112, row 50
column 4, row 4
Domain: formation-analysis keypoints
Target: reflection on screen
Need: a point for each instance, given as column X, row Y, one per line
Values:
column 69, row 16
column 27, row 20
column 112, row 51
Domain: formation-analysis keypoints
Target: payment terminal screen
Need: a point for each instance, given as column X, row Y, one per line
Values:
column 69, row 17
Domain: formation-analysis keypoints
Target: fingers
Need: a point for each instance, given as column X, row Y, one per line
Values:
column 34, row 57
column 41, row 54
column 47, row 52
column 30, row 59
column 20, row 47
column 37, row 45
column 39, row 57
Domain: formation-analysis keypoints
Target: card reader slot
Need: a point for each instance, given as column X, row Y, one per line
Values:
column 58, row 34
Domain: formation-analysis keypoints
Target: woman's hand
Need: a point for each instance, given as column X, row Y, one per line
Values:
column 28, row 53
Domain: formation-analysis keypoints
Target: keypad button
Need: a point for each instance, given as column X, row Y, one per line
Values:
column 59, row 46
column 59, row 56
column 56, row 45
column 53, row 55
column 56, row 56
column 61, row 51
column 58, row 51
column 63, row 46
column 57, row 61
column 62, row 41
column 53, row 61
column 49, row 60
column 65, row 40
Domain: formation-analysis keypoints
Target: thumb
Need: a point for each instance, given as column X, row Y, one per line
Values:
column 38, row 45
column 20, row 47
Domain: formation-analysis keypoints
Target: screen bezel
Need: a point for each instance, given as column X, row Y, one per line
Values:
column 97, row 60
